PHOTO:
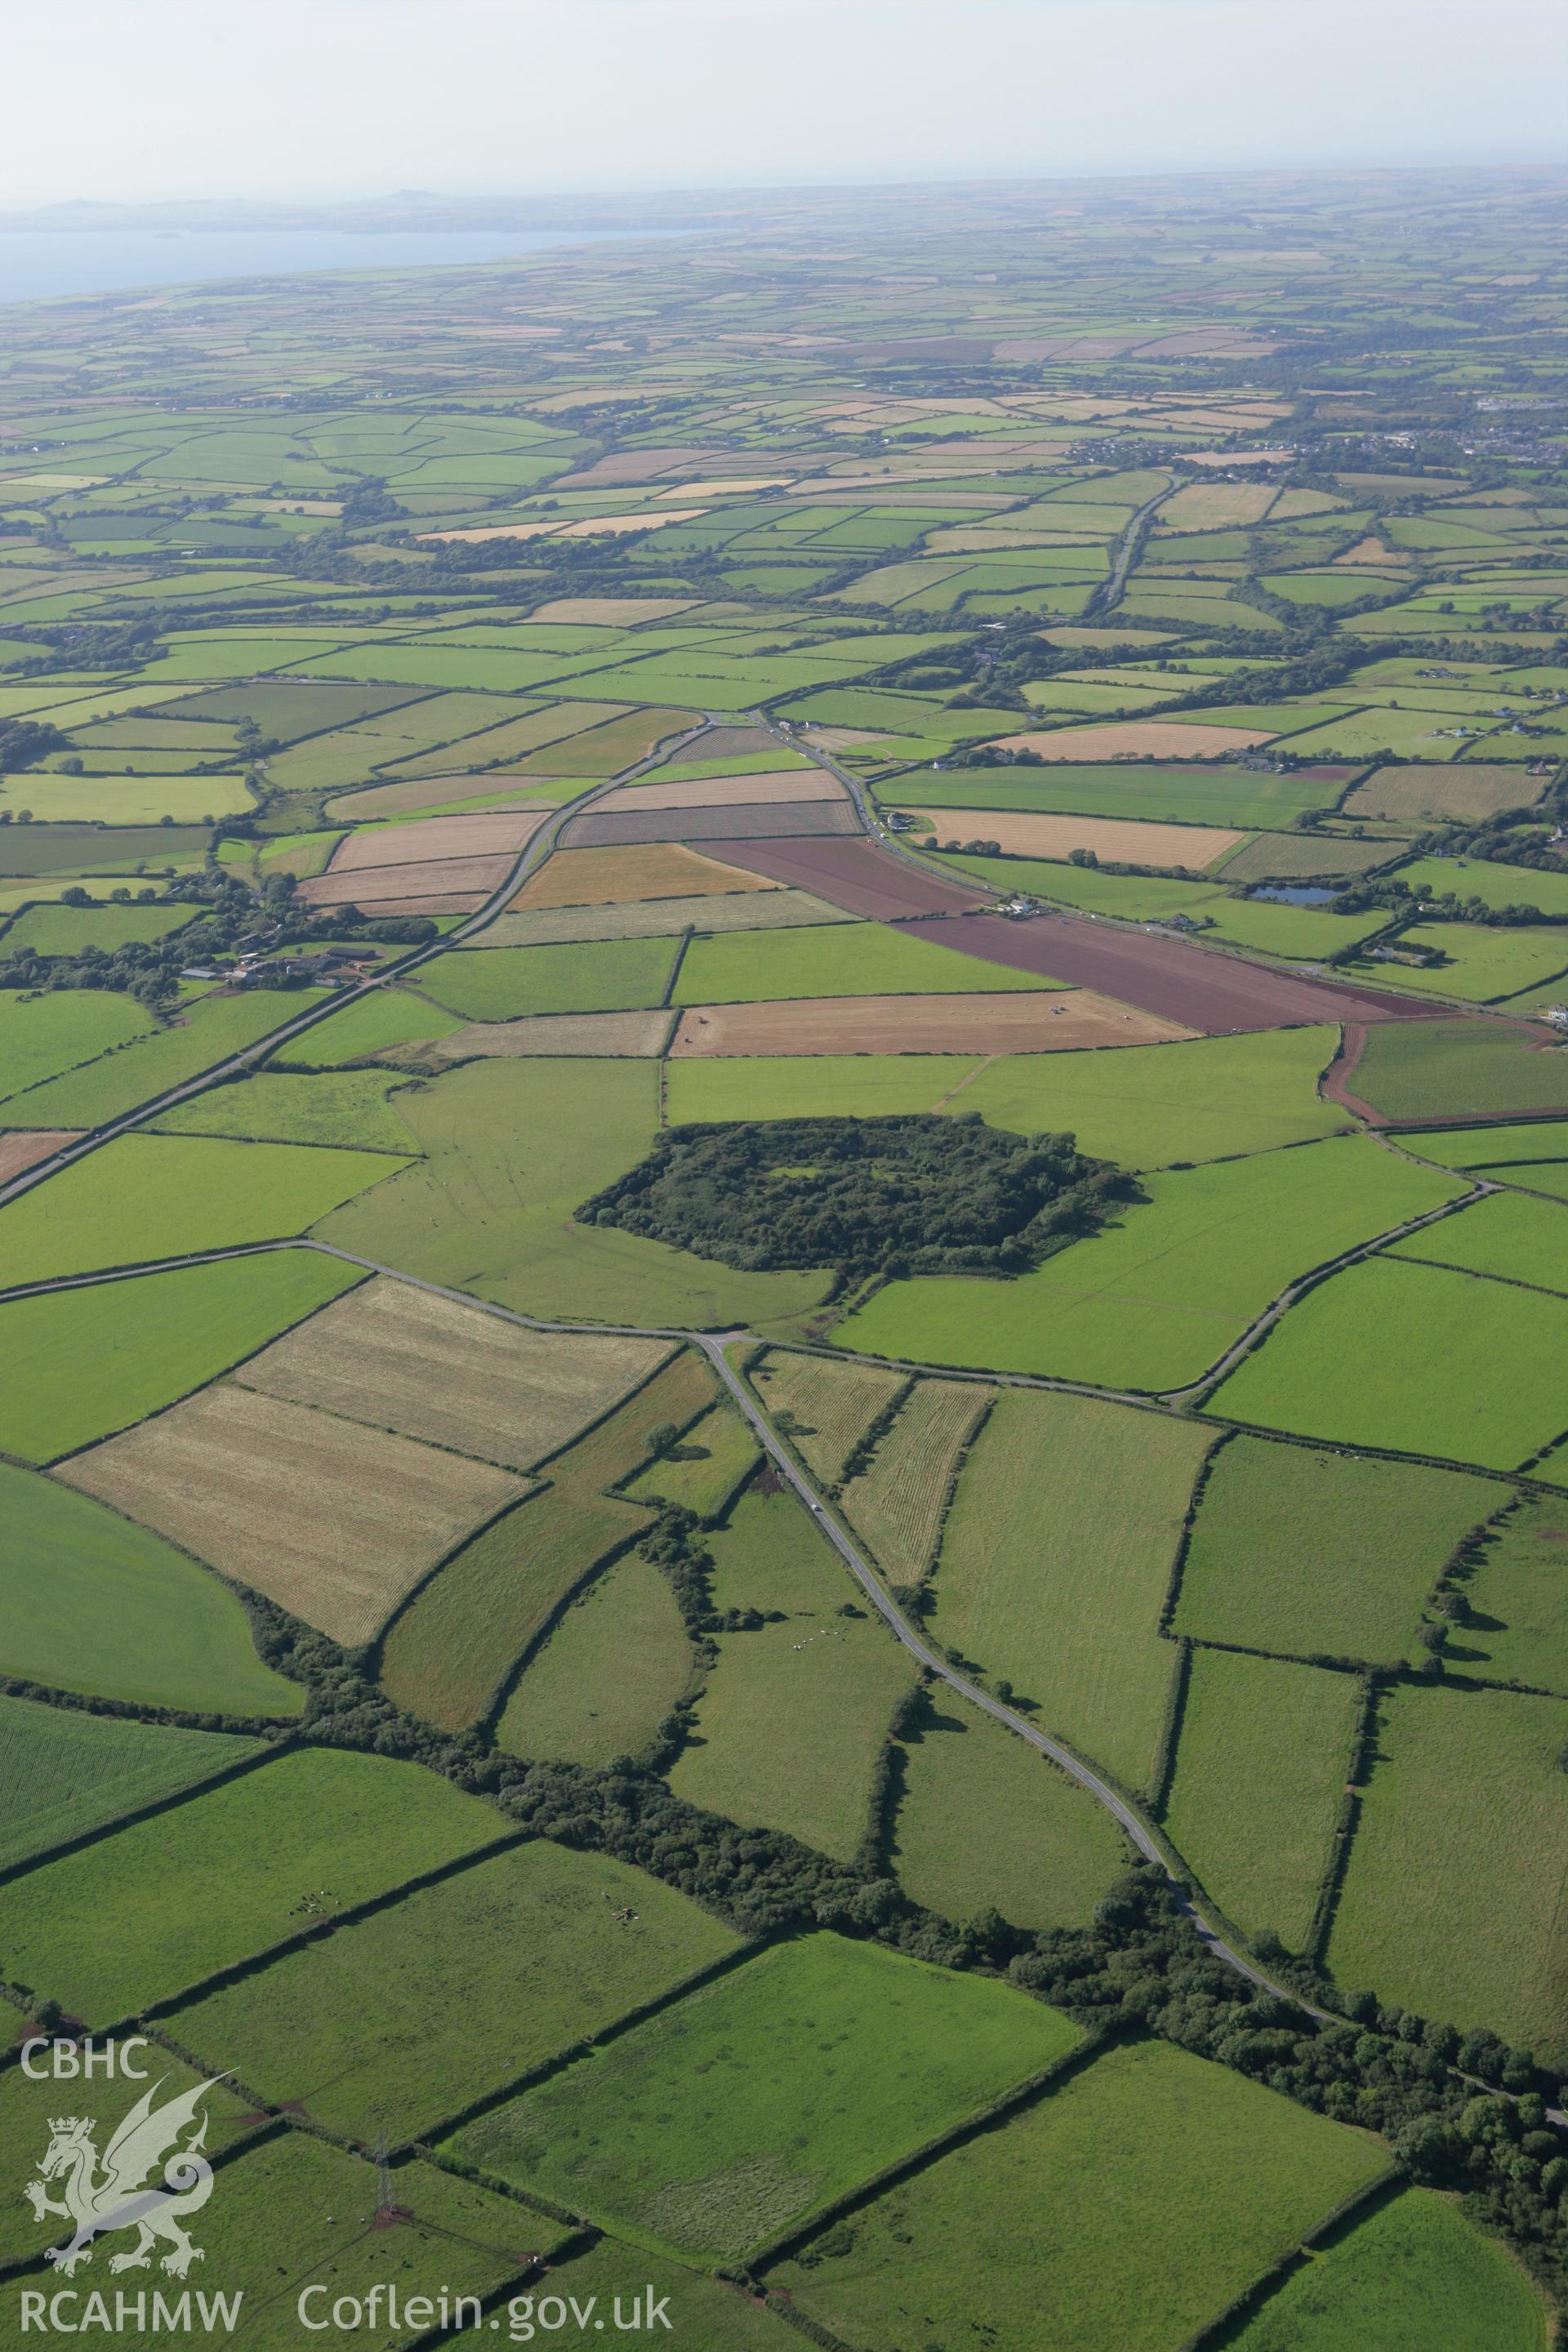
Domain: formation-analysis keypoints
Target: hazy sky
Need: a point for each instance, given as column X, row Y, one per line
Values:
column 138, row 98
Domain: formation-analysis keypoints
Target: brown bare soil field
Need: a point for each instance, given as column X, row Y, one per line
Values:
column 757, row 824
column 24, row 1147
column 612, row 612
column 426, row 1367
column 1140, row 739
column 411, row 793
column 1456, row 790
column 1024, row 834
column 335, row 1521
column 472, row 879
column 634, row 1036
column 486, row 835
column 914, row 1025
column 1214, row 994
column 629, row 466
column 855, row 875
column 1211, row 506
column 654, row 918
column 723, row 792
column 732, row 743
column 654, row 870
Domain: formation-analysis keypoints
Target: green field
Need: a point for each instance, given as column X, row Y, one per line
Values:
column 77, row 1365
column 167, row 1901
column 64, row 1772
column 389, row 1016
column 1515, row 1625
column 794, row 1711
column 985, row 1822
column 1515, row 1239
column 1157, row 790
column 1495, row 886
column 1514, row 1152
column 66, row 930
column 356, row 1108
column 1119, row 2214
column 1412, row 1358
column 94, row 1602
column 1147, row 1106
column 718, row 2124
column 835, row 959
column 607, row 1676
column 589, row 976
column 711, row 2315
column 1483, row 963
column 448, row 1655
column 42, row 1036
column 404, row 2018
column 146, row 1197
column 816, row 1086
column 1260, row 1772
column 1055, row 1562
column 1441, row 1069
column 1452, row 1900
column 211, row 1029
column 511, row 1148
column 1321, row 1554
column 703, row 1470
column 1416, row 2277
column 1151, row 1301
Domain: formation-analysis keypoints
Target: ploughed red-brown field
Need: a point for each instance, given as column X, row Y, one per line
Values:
column 855, row 875
column 759, row 823
column 916, row 1024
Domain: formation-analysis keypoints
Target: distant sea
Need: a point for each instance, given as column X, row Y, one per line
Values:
column 38, row 263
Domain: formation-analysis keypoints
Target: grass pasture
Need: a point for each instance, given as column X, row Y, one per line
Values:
column 726, row 2119
column 94, row 1604
column 1055, row 1561
column 1452, row 1900
column 1517, row 1624
column 1317, row 1554
column 1441, row 1069
column 607, row 1674
column 1481, row 961
column 164, row 1903
column 838, row 959
column 1151, row 1301
column 1414, row 2277
column 209, row 1031
column 447, row 1656
column 335, row 1521
column 985, row 1822
column 1504, row 1235
column 1208, row 2177
column 816, row 1086
column 1260, row 1772
column 1417, row 796
column 400, row 1358
column 405, row 2018
column 354, row 1108
column 588, row 976
column 66, row 930
column 388, row 1017
column 1412, row 1358
column 42, row 1036
column 704, row 1469
column 77, row 1365
column 795, row 1711
column 896, row 1505
column 821, row 1406
column 64, row 1773
column 145, row 1197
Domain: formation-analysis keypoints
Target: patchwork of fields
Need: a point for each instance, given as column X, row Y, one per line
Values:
column 783, row 1149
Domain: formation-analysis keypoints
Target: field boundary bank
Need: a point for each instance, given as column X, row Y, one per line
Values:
column 1346, row 2217
column 272, row 2128
column 12, row 1871
column 560, row 2061
column 1347, row 1820
column 1092, row 2044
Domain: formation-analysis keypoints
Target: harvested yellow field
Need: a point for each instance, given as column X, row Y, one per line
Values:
column 1021, row 833
column 637, row 870
column 459, row 837
column 1137, row 738
column 1025, row 1024
column 637, row 1036
column 649, row 519
column 335, row 1521
column 897, row 1505
column 1212, row 506
column 823, row 1404
column 24, row 1147
column 1373, row 551
column 426, row 1367
column 470, row 879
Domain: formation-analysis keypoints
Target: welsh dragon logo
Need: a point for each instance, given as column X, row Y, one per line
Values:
column 114, row 2191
